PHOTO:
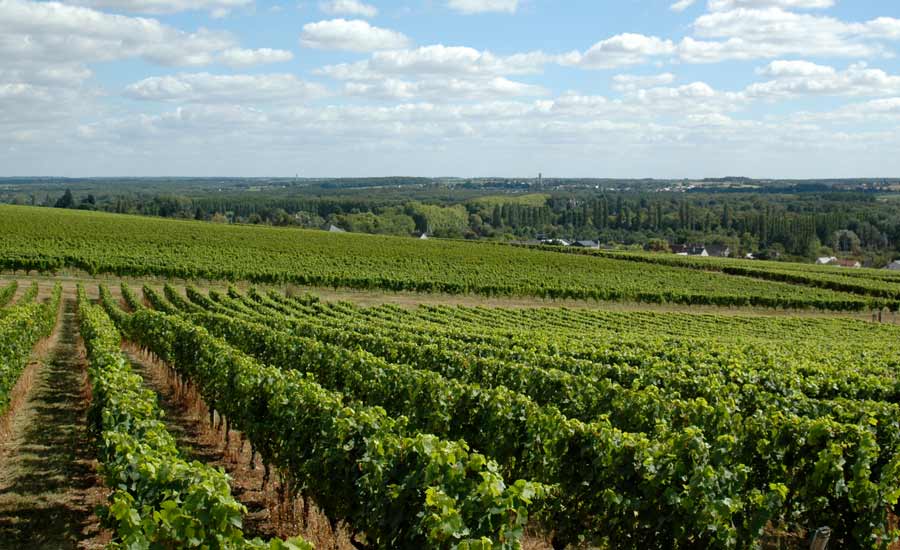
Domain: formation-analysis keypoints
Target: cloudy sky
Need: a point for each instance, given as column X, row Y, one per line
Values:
column 605, row 88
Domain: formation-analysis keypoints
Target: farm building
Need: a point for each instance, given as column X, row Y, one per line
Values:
column 893, row 266
column 848, row 263
column 690, row 250
column 839, row 262
column 557, row 242
column 719, row 250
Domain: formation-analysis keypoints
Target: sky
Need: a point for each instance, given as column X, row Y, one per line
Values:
column 568, row 88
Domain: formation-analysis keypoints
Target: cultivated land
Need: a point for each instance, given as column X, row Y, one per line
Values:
column 411, row 420
column 47, row 239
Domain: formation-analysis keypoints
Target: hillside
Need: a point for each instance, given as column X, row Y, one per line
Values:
column 50, row 239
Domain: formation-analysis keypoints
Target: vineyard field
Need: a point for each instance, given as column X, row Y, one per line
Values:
column 49, row 240
column 865, row 282
column 791, row 436
column 433, row 425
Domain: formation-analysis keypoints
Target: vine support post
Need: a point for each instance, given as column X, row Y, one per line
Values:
column 820, row 538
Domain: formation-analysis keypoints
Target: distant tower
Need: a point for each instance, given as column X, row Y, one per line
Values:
column 540, row 179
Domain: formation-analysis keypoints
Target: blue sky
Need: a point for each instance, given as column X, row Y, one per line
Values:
column 602, row 88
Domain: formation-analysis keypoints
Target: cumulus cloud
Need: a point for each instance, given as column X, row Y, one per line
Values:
column 159, row 7
column 46, row 49
column 439, row 73
column 352, row 35
column 682, row 5
column 348, row 7
column 801, row 78
column 238, row 89
column 875, row 108
column 628, row 82
column 438, row 60
column 696, row 97
column 50, row 32
column 469, row 7
column 875, row 111
column 773, row 32
column 239, row 57
column 723, row 5
column 441, row 103
column 623, row 50
column 443, row 90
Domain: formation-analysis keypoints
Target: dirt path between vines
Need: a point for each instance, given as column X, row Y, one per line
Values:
column 48, row 476
column 186, row 418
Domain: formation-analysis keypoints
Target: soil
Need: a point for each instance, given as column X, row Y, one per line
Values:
column 49, row 486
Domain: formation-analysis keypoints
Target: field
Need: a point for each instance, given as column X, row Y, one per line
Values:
column 257, row 416
column 48, row 240
column 880, row 283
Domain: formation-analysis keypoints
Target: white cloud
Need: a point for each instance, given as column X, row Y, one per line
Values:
column 724, row 5
column 49, row 32
column 696, row 97
column 348, row 7
column 623, row 50
column 802, row 78
column 877, row 111
column 353, row 35
column 795, row 68
column 238, row 89
column 774, row 32
column 422, row 109
column 469, row 7
column 439, row 73
column 875, row 108
column 628, row 82
column 682, row 5
column 238, row 57
column 443, row 90
column 46, row 49
column 438, row 60
column 158, row 7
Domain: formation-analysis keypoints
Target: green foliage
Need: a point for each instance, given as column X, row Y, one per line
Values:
column 449, row 221
column 21, row 327
column 388, row 222
column 531, row 199
column 692, row 441
column 159, row 500
column 49, row 240
column 358, row 463
column 7, row 293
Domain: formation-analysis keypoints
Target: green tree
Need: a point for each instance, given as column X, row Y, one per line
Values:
column 65, row 201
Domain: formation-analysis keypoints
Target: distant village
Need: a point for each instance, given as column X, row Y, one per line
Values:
column 711, row 251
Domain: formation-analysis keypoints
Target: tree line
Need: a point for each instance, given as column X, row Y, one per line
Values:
column 797, row 226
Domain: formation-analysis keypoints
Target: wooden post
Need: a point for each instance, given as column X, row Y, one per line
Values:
column 820, row 538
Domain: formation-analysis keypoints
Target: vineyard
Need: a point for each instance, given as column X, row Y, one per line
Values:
column 47, row 240
column 865, row 282
column 471, row 427
column 447, row 426
column 792, row 443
